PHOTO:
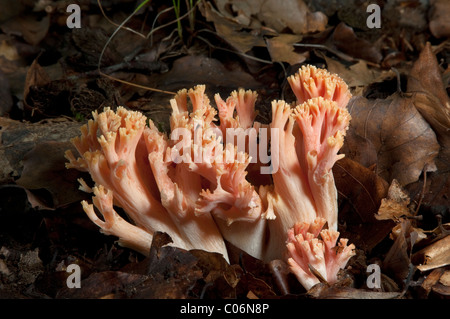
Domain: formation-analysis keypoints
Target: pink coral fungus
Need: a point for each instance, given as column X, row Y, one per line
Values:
column 227, row 178
column 311, row 257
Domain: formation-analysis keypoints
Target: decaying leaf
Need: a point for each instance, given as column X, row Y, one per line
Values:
column 321, row 291
column 346, row 40
column 357, row 75
column 292, row 14
column 433, row 256
column 398, row 259
column 46, row 178
column 231, row 31
column 18, row 138
column 439, row 23
column 234, row 29
column 404, row 142
column 36, row 76
column 395, row 205
column 281, row 49
column 33, row 28
column 431, row 98
column 360, row 194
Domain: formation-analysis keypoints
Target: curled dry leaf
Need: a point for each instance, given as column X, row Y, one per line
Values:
column 401, row 138
column 433, row 256
column 430, row 97
column 395, row 205
column 36, row 76
column 398, row 259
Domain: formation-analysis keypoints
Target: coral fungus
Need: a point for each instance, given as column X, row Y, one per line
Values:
column 193, row 183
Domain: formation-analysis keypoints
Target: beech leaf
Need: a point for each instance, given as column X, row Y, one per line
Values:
column 430, row 97
column 403, row 141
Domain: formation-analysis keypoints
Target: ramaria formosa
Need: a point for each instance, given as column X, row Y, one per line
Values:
column 194, row 183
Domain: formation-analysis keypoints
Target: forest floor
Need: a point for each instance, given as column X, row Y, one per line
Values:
column 393, row 184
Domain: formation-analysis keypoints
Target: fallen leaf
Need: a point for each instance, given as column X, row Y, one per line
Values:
column 395, row 205
column 106, row 284
column 358, row 74
column 441, row 290
column 18, row 138
column 8, row 49
column 431, row 98
column 249, row 283
column 445, row 278
column 321, row 291
column 398, row 259
column 293, row 14
column 434, row 255
column 32, row 27
column 231, row 31
column 281, row 49
column 360, row 193
column 404, row 142
column 345, row 39
column 36, row 76
column 430, row 280
column 439, row 23
column 45, row 176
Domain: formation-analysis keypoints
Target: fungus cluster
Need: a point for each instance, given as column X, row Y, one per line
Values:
column 221, row 176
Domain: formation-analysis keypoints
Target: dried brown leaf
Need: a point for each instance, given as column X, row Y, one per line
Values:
column 397, row 261
column 36, row 76
column 438, row 16
column 404, row 142
column 433, row 256
column 281, row 49
column 360, row 194
column 395, row 205
column 322, row 291
column 358, row 74
column 293, row 14
column 345, row 39
column 430, row 97
column 103, row 285
column 18, row 138
column 431, row 280
column 33, row 28
column 231, row 31
column 45, row 177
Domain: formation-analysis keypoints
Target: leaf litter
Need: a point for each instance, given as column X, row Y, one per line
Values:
column 393, row 184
